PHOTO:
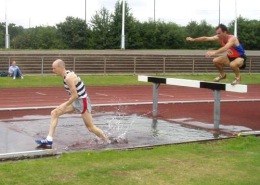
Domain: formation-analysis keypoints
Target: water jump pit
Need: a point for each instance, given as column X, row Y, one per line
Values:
column 128, row 122
column 127, row 131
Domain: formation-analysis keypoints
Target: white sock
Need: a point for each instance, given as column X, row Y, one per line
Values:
column 49, row 138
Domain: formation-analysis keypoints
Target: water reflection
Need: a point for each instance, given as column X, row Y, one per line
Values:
column 155, row 131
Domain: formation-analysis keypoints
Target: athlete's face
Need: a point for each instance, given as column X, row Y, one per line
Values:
column 56, row 69
column 221, row 34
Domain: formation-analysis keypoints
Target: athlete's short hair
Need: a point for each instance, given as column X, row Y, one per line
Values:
column 222, row 27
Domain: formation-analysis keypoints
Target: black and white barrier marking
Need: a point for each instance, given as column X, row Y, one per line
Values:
column 215, row 86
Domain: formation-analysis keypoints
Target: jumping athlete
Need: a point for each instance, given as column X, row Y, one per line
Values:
column 235, row 58
column 78, row 101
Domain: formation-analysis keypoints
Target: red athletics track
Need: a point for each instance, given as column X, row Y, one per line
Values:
column 238, row 109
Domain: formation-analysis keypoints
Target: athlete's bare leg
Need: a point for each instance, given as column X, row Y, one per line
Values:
column 220, row 62
column 235, row 64
column 87, row 118
column 55, row 114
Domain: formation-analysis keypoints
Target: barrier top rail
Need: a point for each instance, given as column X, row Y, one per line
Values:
column 194, row 83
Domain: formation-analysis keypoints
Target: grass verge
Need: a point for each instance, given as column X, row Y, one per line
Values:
column 108, row 80
column 233, row 161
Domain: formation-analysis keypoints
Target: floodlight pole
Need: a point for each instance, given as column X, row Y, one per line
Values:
column 123, row 26
column 154, row 11
column 86, row 11
column 235, row 26
column 219, row 12
column 7, row 37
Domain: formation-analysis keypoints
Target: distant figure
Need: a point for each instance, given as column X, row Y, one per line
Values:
column 14, row 71
column 235, row 58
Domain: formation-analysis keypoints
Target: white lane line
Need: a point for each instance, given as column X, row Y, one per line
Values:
column 101, row 94
column 235, row 96
column 41, row 93
column 167, row 95
column 136, row 103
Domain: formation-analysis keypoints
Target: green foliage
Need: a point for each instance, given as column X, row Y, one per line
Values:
column 104, row 32
column 73, row 33
column 37, row 38
column 116, row 27
column 101, row 34
column 2, row 41
column 13, row 30
column 248, row 32
column 193, row 29
column 170, row 36
column 147, row 31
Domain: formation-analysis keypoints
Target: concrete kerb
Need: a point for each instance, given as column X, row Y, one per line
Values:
column 29, row 154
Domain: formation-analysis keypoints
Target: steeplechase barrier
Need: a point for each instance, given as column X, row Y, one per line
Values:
column 215, row 86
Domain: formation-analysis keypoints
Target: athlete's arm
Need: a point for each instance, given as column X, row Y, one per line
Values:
column 202, row 39
column 229, row 44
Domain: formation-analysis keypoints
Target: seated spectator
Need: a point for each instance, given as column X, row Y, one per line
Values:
column 14, row 71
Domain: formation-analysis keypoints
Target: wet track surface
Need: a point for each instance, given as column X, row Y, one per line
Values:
column 125, row 131
column 129, row 126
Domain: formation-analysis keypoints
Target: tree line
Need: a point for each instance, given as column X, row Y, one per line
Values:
column 104, row 32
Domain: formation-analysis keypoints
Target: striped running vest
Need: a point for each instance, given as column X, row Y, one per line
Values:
column 81, row 89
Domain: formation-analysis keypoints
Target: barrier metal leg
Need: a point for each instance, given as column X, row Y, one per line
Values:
column 216, row 108
column 155, row 99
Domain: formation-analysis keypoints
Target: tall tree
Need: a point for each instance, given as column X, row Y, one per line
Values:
column 148, row 31
column 24, row 40
column 46, row 38
column 131, row 33
column 193, row 29
column 37, row 38
column 248, row 32
column 73, row 33
column 101, row 34
column 13, row 31
column 169, row 36
column 2, row 35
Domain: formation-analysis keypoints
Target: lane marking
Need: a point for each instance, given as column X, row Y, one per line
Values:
column 233, row 96
column 136, row 103
column 41, row 93
column 101, row 94
column 167, row 95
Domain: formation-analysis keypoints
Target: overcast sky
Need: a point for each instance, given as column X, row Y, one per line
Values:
column 31, row 13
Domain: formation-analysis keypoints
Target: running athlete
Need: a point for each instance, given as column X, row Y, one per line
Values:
column 78, row 101
column 235, row 58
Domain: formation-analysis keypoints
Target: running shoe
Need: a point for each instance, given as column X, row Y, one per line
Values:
column 43, row 142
